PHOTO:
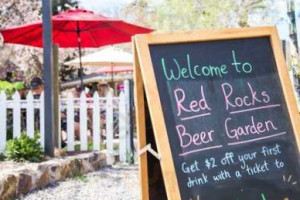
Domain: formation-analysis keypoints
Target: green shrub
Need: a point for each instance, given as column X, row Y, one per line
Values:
column 2, row 157
column 7, row 87
column 82, row 178
column 23, row 149
column 9, row 134
column 90, row 146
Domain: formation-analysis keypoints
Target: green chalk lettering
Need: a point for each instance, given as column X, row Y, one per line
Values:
column 189, row 66
column 235, row 63
column 172, row 75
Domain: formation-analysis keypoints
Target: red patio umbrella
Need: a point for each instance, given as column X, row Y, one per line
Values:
column 76, row 28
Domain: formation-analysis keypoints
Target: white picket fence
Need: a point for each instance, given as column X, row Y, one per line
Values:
column 110, row 136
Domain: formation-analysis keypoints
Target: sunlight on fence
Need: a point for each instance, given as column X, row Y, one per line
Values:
column 96, row 123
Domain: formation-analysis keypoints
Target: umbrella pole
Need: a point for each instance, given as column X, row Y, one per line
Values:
column 80, row 63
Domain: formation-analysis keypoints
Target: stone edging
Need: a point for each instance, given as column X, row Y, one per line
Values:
column 37, row 175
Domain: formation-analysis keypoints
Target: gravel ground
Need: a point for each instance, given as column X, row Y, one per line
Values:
column 109, row 183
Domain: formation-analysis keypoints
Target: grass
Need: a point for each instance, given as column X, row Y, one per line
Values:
column 90, row 147
column 81, row 178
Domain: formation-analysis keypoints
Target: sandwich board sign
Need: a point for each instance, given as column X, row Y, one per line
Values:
column 223, row 115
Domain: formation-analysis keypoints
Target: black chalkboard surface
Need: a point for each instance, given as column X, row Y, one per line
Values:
column 223, row 113
column 227, row 120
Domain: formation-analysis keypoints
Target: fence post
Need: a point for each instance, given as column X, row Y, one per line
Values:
column 70, row 122
column 42, row 119
column 16, row 115
column 127, row 116
column 59, row 124
column 2, row 121
column 30, row 115
column 96, row 122
column 122, row 128
column 83, row 122
column 109, row 128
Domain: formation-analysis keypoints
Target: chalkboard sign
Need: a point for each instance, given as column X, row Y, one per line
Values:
column 223, row 114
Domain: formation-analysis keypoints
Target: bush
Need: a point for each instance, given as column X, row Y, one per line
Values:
column 7, row 87
column 23, row 149
column 9, row 134
column 2, row 157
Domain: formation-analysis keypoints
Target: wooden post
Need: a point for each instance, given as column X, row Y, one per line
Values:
column 56, row 102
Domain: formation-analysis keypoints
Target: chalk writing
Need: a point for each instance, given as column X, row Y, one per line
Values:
column 289, row 180
column 254, row 127
column 228, row 159
column 250, row 163
column 245, row 157
column 210, row 163
column 190, row 168
column 246, row 66
column 197, row 181
column 267, row 151
column 244, row 101
column 222, row 175
column 197, row 198
column 199, row 138
column 258, row 139
column 279, row 164
column 173, row 70
column 263, row 197
column 199, row 150
column 194, row 106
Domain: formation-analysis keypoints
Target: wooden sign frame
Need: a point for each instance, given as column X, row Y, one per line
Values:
column 145, row 79
column 141, row 124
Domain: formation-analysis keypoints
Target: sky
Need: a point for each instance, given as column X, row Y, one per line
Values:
column 110, row 8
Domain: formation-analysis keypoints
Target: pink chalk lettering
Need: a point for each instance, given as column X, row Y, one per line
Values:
column 252, row 99
column 180, row 100
column 255, row 108
column 253, row 128
column 186, row 139
column 266, row 97
column 194, row 116
column 182, row 134
column 194, row 106
column 257, row 139
column 253, row 94
column 227, row 94
column 202, row 149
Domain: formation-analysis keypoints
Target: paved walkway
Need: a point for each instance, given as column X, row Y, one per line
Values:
column 109, row 183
